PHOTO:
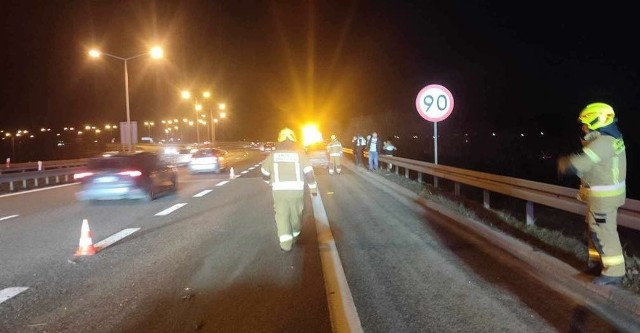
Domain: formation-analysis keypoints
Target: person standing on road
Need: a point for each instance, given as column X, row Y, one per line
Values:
column 287, row 169
column 374, row 148
column 602, row 168
column 361, row 143
column 387, row 149
column 335, row 155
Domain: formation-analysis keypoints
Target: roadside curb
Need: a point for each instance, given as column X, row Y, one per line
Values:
column 545, row 267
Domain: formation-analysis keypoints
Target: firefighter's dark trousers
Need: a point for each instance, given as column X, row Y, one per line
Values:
column 604, row 242
column 288, row 205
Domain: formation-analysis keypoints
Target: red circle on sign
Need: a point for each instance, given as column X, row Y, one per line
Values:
column 439, row 95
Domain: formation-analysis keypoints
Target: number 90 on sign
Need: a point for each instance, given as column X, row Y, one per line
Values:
column 434, row 103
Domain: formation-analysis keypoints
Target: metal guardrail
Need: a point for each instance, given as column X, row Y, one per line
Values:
column 549, row 195
column 58, row 175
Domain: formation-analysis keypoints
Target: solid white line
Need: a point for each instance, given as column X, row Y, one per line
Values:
column 344, row 316
column 8, row 293
column 170, row 209
column 222, row 183
column 243, row 172
column 201, row 194
column 115, row 237
column 37, row 190
column 8, row 217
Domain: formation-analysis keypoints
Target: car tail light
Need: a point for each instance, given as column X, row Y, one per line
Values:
column 82, row 175
column 131, row 173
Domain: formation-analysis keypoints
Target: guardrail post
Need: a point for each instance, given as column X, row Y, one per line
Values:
column 46, row 180
column 24, row 183
column 57, row 179
column 406, row 172
column 66, row 178
column 435, row 182
column 397, row 170
column 35, row 180
column 11, row 186
column 456, row 188
column 420, row 177
column 530, row 219
column 486, row 199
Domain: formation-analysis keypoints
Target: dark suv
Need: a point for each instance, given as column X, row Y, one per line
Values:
column 126, row 176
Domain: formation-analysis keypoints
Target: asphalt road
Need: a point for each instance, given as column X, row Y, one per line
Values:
column 213, row 265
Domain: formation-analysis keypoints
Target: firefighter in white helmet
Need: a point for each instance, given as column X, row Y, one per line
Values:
column 287, row 169
column 602, row 168
column 334, row 148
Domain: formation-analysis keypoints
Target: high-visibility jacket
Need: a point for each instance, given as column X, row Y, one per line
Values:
column 287, row 169
column 334, row 148
column 602, row 168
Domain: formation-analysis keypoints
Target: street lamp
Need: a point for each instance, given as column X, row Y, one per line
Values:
column 149, row 124
column 155, row 53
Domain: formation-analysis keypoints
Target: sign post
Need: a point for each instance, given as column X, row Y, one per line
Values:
column 434, row 103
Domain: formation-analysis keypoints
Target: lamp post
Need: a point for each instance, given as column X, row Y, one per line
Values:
column 149, row 124
column 155, row 53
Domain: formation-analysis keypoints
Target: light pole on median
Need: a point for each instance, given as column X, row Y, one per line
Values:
column 155, row 53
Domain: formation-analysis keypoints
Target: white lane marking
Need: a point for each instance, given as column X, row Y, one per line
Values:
column 8, row 217
column 38, row 190
column 201, row 194
column 341, row 306
column 8, row 293
column 222, row 183
column 251, row 168
column 170, row 209
column 243, row 172
column 115, row 237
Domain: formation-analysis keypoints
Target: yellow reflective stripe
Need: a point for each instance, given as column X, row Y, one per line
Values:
column 592, row 155
column 609, row 261
column 615, row 169
column 604, row 191
column 593, row 253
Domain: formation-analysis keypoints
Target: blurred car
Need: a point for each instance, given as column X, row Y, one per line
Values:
column 139, row 175
column 317, row 154
column 268, row 146
column 208, row 160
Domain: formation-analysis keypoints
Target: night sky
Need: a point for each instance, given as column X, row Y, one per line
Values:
column 511, row 66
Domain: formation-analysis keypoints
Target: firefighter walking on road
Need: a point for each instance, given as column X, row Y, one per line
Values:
column 335, row 155
column 602, row 168
column 287, row 169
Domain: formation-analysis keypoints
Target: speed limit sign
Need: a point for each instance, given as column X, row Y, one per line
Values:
column 434, row 103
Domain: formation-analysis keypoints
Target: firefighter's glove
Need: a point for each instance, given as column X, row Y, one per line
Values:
column 564, row 165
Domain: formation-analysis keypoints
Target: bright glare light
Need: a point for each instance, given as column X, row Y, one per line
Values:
column 223, row 114
column 310, row 135
column 186, row 94
column 206, row 94
column 156, row 52
column 94, row 53
column 222, row 106
column 198, row 107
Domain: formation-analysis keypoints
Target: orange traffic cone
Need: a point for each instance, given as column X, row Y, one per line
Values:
column 231, row 174
column 85, row 248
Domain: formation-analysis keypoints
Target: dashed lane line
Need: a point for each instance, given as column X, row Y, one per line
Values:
column 114, row 238
column 243, row 172
column 171, row 209
column 9, row 293
column 201, row 194
column 8, row 217
column 222, row 183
